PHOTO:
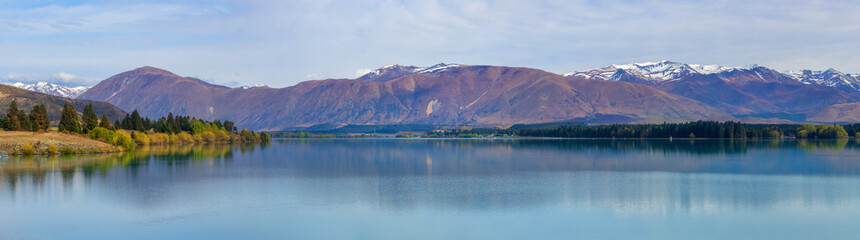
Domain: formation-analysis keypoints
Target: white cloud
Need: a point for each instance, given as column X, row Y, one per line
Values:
column 312, row 76
column 361, row 71
column 279, row 42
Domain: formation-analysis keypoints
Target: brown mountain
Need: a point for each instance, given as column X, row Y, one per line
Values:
column 849, row 112
column 756, row 91
column 54, row 104
column 440, row 95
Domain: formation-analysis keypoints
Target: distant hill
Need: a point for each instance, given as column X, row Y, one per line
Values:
column 54, row 104
column 453, row 94
column 439, row 95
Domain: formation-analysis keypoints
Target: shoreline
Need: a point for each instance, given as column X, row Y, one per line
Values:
column 51, row 143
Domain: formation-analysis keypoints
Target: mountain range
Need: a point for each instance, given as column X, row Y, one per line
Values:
column 53, row 89
column 53, row 104
column 455, row 94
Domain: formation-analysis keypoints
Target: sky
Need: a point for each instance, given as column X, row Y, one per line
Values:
column 282, row 43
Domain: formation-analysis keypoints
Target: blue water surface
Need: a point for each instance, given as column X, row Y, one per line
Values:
column 441, row 189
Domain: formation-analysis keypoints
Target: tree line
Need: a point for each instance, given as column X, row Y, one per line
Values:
column 197, row 130
column 20, row 120
column 696, row 129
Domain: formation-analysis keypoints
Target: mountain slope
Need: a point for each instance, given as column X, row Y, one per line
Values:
column 54, row 104
column 739, row 91
column 155, row 92
column 830, row 78
column 53, row 89
column 439, row 95
column 849, row 112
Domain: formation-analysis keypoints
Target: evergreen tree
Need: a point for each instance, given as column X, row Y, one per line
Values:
column 41, row 113
column 117, row 124
column 26, row 124
column 126, row 123
column 136, row 121
column 90, row 119
column 171, row 123
column 69, row 120
column 13, row 123
column 105, row 122
column 38, row 118
column 229, row 126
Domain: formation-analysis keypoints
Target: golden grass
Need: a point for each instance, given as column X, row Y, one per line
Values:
column 47, row 137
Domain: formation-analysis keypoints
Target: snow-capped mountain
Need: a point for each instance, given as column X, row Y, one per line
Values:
column 654, row 72
column 668, row 71
column 829, row 77
column 252, row 86
column 53, row 89
column 394, row 71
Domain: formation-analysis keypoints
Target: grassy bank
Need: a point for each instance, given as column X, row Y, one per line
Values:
column 37, row 143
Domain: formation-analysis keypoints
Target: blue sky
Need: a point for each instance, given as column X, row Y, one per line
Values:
column 281, row 43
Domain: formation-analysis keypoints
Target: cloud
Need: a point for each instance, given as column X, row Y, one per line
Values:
column 361, row 71
column 279, row 43
column 61, row 78
column 312, row 76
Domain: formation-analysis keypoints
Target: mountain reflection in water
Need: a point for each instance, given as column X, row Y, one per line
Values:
column 400, row 174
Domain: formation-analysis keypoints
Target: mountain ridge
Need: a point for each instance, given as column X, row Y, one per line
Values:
column 457, row 94
column 51, row 88
column 54, row 104
column 439, row 95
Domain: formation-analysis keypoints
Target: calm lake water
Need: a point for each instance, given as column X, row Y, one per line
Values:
column 441, row 189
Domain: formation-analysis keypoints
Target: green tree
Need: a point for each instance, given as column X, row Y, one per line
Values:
column 13, row 123
column 105, row 122
column 69, row 120
column 806, row 131
column 26, row 124
column 90, row 119
column 136, row 121
column 126, row 123
column 39, row 115
column 229, row 126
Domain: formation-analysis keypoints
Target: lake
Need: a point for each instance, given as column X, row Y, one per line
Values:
column 441, row 189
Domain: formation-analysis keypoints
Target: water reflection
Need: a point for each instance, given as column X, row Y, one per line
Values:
column 35, row 169
column 406, row 174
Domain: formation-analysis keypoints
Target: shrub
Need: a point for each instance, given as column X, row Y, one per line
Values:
column 184, row 137
column 222, row 136
column 141, row 138
column 208, row 136
column 124, row 140
column 52, row 149
column 103, row 134
column 67, row 151
column 159, row 138
column 28, row 149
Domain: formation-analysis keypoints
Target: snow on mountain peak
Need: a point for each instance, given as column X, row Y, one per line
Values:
column 660, row 71
column 438, row 68
column 53, row 89
column 393, row 71
column 667, row 71
column 830, row 77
